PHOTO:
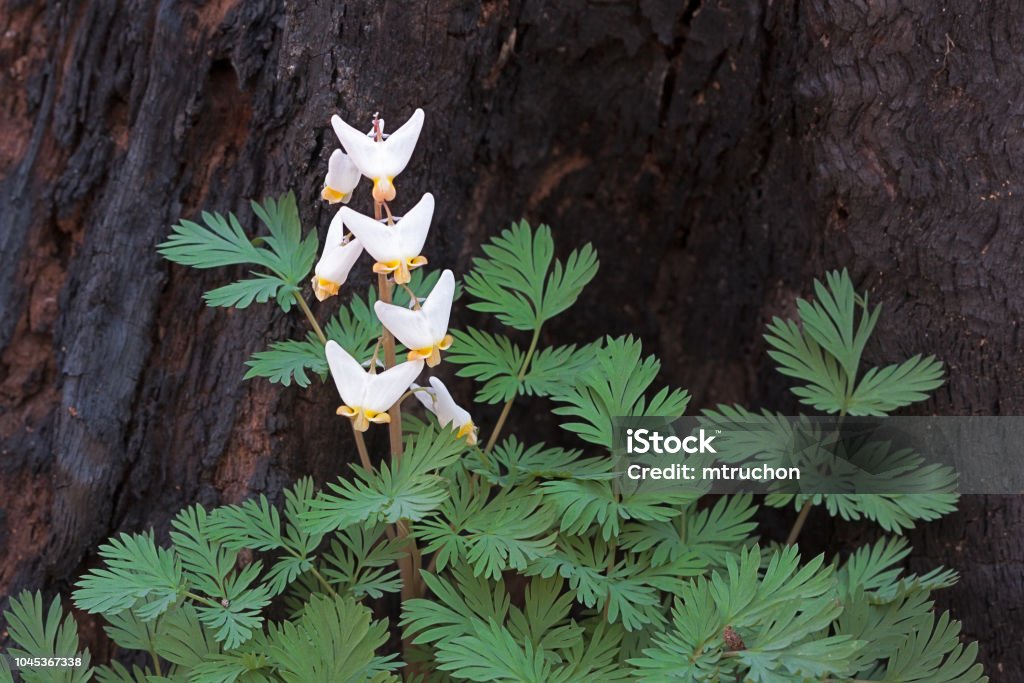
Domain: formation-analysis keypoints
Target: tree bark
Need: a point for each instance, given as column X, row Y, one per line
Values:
column 719, row 154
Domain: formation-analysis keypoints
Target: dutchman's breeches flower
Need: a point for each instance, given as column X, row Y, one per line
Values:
column 380, row 159
column 342, row 178
column 339, row 255
column 395, row 246
column 439, row 401
column 368, row 396
column 425, row 329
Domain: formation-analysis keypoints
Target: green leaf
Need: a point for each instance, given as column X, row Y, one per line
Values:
column 490, row 359
column 627, row 590
column 223, row 242
column 800, row 357
column 256, row 524
column 458, row 606
column 711, row 534
column 614, row 386
column 335, row 639
column 51, row 635
column 410, row 490
column 237, row 666
column 512, row 463
column 236, row 617
column 883, row 390
column 135, row 569
column 281, row 218
column 544, row 619
column 182, row 639
column 832, row 320
column 825, row 354
column 261, row 288
column 361, row 563
column 932, row 653
column 519, row 281
column 492, row 653
column 289, row 360
column 581, row 504
column 207, row 564
column 554, row 370
column 691, row 649
column 506, row 532
column 129, row 631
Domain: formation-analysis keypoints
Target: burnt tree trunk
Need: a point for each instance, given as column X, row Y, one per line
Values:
column 720, row 155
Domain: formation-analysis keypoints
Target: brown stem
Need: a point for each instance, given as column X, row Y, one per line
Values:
column 364, row 455
column 311, row 318
column 388, row 342
column 799, row 523
column 408, row 565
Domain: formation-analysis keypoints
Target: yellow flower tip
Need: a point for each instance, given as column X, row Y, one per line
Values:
column 384, row 189
column 468, row 431
column 362, row 417
column 400, row 267
column 324, row 289
column 332, row 196
column 446, row 342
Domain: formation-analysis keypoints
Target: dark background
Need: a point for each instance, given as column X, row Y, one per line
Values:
column 720, row 155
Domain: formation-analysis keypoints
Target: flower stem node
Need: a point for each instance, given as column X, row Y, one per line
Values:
column 424, row 330
column 367, row 395
column 396, row 246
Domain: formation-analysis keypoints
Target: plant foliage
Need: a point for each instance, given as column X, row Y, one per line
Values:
column 537, row 567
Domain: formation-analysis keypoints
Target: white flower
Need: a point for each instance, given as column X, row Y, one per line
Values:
column 395, row 247
column 380, row 161
column 368, row 396
column 424, row 331
column 439, row 401
column 339, row 255
column 342, row 178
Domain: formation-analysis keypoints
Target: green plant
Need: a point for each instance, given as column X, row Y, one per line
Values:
column 515, row 560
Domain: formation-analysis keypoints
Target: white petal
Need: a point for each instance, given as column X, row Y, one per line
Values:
column 410, row 327
column 424, row 396
column 348, row 374
column 335, row 233
column 447, row 411
column 384, row 159
column 342, row 174
column 404, row 239
column 380, row 240
column 438, row 306
column 337, row 262
column 363, row 151
column 400, row 144
column 414, row 226
column 384, row 388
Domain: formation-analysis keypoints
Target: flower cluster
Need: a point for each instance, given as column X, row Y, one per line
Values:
column 395, row 243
